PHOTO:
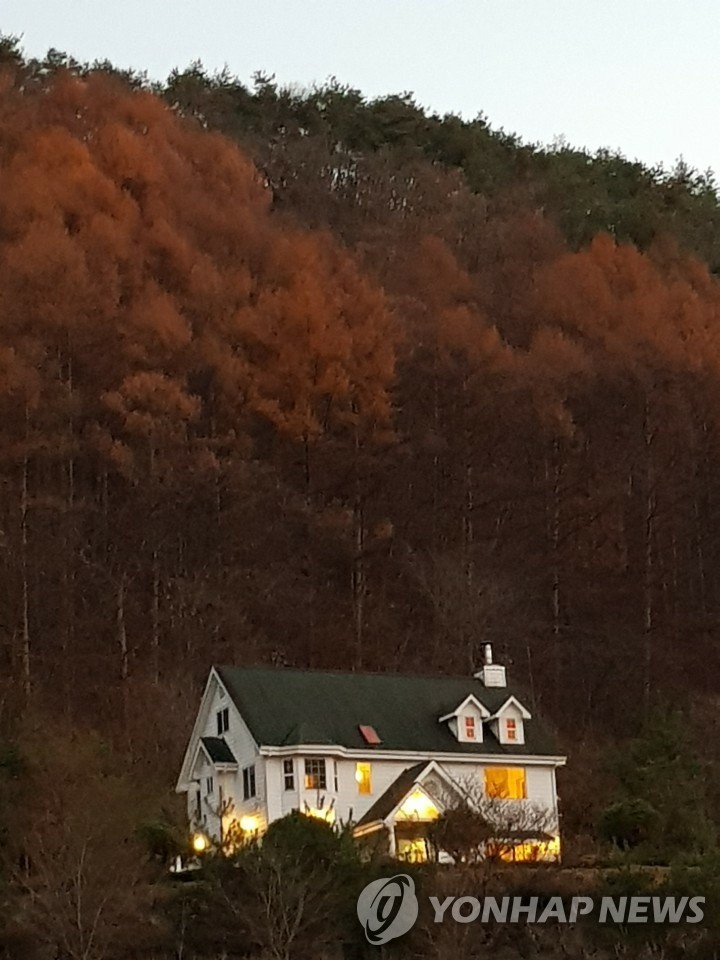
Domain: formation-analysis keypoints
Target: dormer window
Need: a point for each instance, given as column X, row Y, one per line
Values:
column 508, row 723
column 466, row 721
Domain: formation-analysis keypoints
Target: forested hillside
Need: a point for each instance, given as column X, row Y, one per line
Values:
column 295, row 377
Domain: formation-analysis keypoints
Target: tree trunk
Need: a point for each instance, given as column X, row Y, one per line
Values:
column 122, row 642
column 155, row 619
column 553, row 474
column 358, row 583
column 649, row 559
column 24, row 569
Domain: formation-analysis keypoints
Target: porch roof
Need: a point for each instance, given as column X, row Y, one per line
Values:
column 395, row 794
column 218, row 750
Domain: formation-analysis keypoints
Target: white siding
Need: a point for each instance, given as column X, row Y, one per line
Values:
column 350, row 805
column 384, row 773
column 243, row 747
column 539, row 779
column 276, row 795
column 540, row 783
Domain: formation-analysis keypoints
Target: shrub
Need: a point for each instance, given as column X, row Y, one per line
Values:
column 162, row 841
column 628, row 823
column 302, row 839
column 461, row 832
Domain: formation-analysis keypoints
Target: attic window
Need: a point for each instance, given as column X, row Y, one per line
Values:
column 369, row 734
column 223, row 721
column 511, row 729
column 469, row 728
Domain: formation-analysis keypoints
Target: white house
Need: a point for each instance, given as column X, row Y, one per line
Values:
column 384, row 752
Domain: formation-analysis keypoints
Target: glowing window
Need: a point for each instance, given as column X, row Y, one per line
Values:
column 505, row 783
column 363, row 776
column 511, row 729
column 469, row 728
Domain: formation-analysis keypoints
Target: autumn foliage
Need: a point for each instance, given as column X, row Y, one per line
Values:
column 324, row 401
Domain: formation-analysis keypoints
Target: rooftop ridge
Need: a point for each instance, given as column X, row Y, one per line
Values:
column 353, row 673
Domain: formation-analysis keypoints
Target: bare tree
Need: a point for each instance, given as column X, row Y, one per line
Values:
column 73, row 855
column 476, row 828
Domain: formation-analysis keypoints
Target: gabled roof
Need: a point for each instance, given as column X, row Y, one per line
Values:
column 218, row 750
column 410, row 779
column 513, row 701
column 283, row 707
column 394, row 795
column 194, row 744
column 470, row 698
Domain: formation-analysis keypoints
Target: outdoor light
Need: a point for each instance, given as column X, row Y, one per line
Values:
column 327, row 814
column 199, row 843
column 418, row 807
column 248, row 824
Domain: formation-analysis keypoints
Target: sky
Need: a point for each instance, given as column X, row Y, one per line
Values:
column 639, row 76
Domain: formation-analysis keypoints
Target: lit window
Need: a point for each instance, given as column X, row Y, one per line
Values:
column 469, row 728
column 315, row 776
column 289, row 774
column 223, row 721
column 505, row 783
column 248, row 782
column 511, row 730
column 363, row 775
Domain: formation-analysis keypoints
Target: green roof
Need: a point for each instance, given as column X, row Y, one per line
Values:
column 284, row 707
